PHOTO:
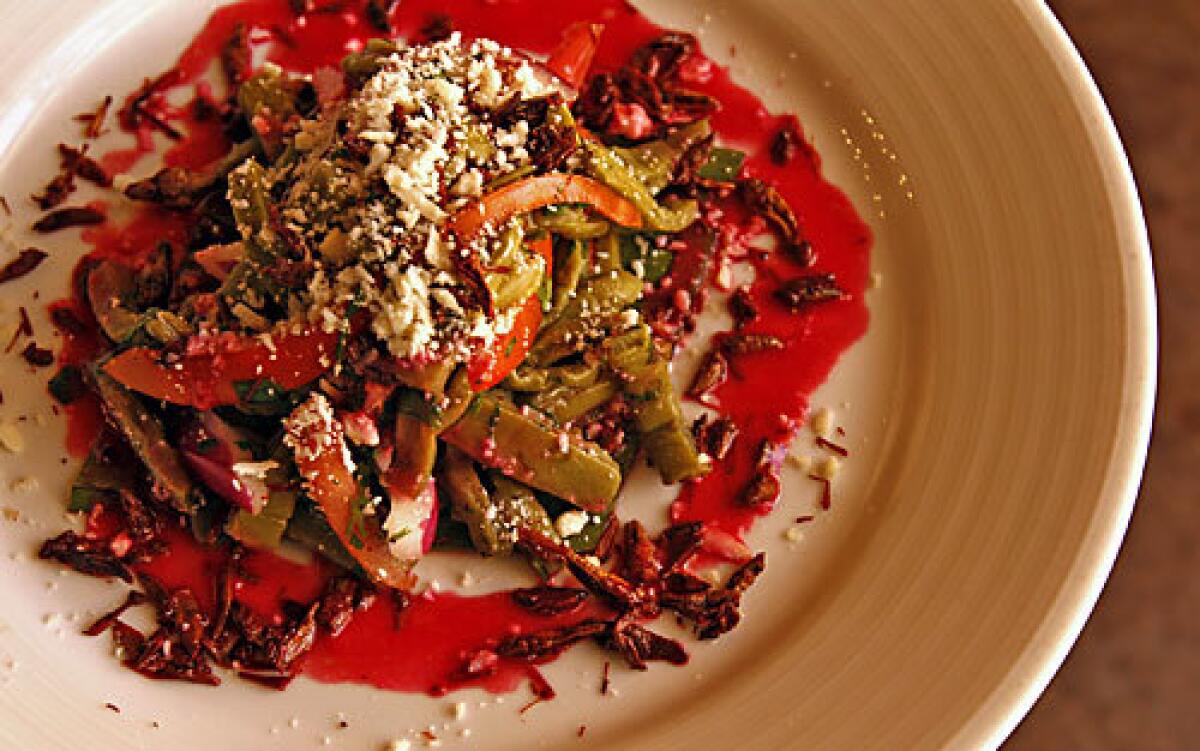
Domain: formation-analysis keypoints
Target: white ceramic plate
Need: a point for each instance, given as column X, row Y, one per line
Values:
column 998, row 410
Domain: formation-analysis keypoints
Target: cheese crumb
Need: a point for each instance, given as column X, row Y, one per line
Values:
column 312, row 429
column 255, row 469
column 11, row 439
column 822, row 422
column 417, row 119
column 570, row 523
column 827, row 468
column 800, row 461
column 24, row 485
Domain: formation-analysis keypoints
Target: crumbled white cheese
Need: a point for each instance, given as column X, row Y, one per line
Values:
column 448, row 93
column 487, row 83
column 414, row 123
column 437, row 253
column 380, row 153
column 24, row 485
column 570, row 523
column 447, row 300
column 255, row 469
column 827, row 468
column 311, row 430
column 822, row 422
column 405, row 321
column 11, row 439
column 800, row 461
column 531, row 86
column 470, row 183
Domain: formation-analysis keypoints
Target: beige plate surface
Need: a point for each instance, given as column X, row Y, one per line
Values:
column 998, row 411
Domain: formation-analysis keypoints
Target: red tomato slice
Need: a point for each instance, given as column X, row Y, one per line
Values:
column 322, row 459
column 205, row 377
column 532, row 193
column 572, row 57
column 489, row 368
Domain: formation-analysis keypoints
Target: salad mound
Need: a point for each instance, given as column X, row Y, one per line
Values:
column 429, row 300
column 392, row 293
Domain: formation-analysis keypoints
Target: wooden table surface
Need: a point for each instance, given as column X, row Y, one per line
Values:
column 1133, row 680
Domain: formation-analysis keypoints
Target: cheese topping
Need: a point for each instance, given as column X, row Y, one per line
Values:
column 376, row 177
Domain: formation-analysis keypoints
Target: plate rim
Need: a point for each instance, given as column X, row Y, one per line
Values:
column 1011, row 701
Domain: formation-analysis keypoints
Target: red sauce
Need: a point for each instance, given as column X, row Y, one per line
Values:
column 84, row 419
column 139, row 236
column 418, row 649
column 767, row 393
column 268, row 581
column 188, row 565
column 422, row 647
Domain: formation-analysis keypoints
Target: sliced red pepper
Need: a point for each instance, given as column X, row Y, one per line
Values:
column 491, row 367
column 321, row 457
column 208, row 376
column 540, row 191
column 572, row 57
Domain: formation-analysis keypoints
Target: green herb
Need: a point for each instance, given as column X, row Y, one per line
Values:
column 589, row 536
column 262, row 392
column 356, row 525
column 539, row 567
column 723, row 165
column 655, row 262
column 82, row 499
column 416, row 404
column 351, row 309
column 264, row 529
column 100, row 478
column 649, row 395
column 545, row 293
